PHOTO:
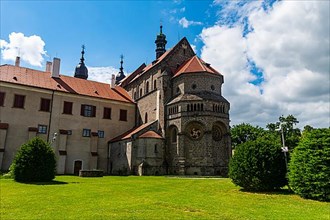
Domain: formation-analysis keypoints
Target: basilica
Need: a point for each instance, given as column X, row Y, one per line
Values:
column 165, row 118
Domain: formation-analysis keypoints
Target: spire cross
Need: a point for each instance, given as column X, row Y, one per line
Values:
column 121, row 63
column 82, row 53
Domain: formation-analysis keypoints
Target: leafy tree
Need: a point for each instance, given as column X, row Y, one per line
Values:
column 291, row 135
column 259, row 165
column 34, row 162
column 309, row 168
column 242, row 133
column 307, row 128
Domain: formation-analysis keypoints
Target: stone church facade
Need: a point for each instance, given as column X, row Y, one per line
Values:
column 166, row 118
column 182, row 117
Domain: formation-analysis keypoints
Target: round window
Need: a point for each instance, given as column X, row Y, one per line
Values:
column 195, row 131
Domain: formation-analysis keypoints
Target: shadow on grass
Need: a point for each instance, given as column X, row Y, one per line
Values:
column 53, row 182
column 275, row 192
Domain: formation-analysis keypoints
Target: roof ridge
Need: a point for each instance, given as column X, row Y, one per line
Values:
column 68, row 84
column 200, row 62
column 115, row 89
column 128, row 134
column 151, row 65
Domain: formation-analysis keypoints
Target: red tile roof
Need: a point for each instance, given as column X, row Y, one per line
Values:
column 129, row 133
column 195, row 65
column 67, row 84
column 150, row 134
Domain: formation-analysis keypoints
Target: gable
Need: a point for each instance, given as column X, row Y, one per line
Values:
column 171, row 59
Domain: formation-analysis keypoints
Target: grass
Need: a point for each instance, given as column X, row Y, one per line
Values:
column 71, row 197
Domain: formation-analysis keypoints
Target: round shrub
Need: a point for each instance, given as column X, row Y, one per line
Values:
column 34, row 162
column 258, row 165
column 309, row 167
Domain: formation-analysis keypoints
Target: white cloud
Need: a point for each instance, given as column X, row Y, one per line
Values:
column 290, row 44
column 193, row 47
column 185, row 23
column 101, row 74
column 177, row 10
column 30, row 49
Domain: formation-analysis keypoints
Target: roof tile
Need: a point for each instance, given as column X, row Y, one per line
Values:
column 194, row 65
column 150, row 134
column 41, row 79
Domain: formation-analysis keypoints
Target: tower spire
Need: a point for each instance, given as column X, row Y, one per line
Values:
column 160, row 43
column 82, row 59
column 81, row 70
column 120, row 74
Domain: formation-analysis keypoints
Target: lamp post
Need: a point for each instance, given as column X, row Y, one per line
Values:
column 284, row 148
column 54, row 138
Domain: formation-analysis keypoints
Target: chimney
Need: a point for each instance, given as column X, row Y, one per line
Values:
column 113, row 80
column 17, row 61
column 49, row 66
column 56, row 67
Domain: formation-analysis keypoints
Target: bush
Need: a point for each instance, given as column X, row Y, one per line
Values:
column 34, row 162
column 310, row 166
column 258, row 165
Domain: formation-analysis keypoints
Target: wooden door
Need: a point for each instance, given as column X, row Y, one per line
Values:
column 77, row 167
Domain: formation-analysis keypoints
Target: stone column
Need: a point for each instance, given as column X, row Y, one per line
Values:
column 181, row 159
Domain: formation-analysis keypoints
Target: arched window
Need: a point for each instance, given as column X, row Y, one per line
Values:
column 174, row 135
column 147, row 87
column 146, row 118
column 134, row 95
column 156, row 149
column 141, row 92
column 155, row 84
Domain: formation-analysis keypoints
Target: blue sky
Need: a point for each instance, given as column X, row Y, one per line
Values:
column 274, row 55
column 107, row 28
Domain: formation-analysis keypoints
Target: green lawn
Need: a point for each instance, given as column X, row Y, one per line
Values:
column 149, row 198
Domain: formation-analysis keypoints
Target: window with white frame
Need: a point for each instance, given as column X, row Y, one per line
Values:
column 42, row 129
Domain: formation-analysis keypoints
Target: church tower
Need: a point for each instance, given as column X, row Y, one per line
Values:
column 160, row 43
column 120, row 75
column 81, row 70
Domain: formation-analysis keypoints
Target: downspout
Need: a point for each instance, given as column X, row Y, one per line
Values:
column 50, row 115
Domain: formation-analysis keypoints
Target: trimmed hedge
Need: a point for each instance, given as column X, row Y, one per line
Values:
column 34, row 162
column 309, row 167
column 258, row 165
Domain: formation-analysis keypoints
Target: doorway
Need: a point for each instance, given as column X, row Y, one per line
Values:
column 77, row 167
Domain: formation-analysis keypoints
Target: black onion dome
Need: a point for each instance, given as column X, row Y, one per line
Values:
column 121, row 74
column 81, row 70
